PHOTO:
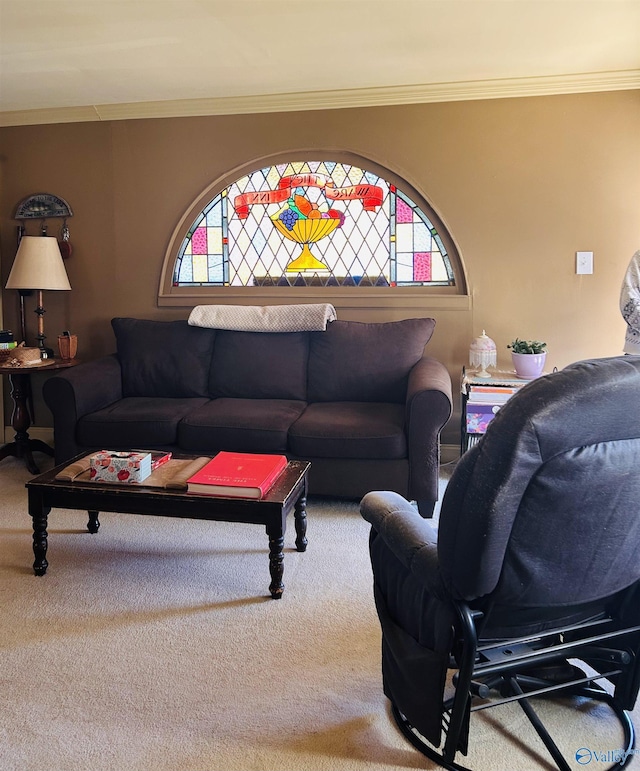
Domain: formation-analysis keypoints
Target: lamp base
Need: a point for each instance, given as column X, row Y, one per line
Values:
column 45, row 352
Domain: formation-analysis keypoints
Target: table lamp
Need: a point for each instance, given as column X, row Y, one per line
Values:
column 38, row 265
column 483, row 354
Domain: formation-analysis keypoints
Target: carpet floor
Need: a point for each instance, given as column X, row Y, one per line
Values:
column 154, row 645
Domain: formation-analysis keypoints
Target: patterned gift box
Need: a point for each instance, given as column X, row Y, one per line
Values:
column 124, row 467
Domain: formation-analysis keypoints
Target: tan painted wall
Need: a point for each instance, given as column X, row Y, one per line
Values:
column 521, row 183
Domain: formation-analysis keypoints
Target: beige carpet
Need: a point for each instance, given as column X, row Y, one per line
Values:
column 153, row 646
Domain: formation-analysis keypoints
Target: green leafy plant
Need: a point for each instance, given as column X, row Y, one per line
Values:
column 527, row 346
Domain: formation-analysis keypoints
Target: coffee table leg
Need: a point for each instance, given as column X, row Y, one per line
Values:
column 276, row 562
column 39, row 518
column 300, row 520
column 93, row 525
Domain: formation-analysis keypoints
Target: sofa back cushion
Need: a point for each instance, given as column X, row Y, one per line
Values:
column 163, row 358
column 260, row 365
column 355, row 361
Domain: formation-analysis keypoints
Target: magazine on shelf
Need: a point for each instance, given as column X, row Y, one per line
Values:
column 488, row 395
column 499, row 378
column 479, row 416
column 237, row 475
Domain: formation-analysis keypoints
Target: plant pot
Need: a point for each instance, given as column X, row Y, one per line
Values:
column 528, row 365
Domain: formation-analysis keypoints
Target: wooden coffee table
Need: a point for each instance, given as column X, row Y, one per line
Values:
column 288, row 494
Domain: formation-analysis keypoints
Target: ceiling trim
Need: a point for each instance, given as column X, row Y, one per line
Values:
column 502, row 88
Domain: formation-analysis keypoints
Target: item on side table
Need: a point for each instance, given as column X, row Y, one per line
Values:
column 6, row 338
column 483, row 353
column 6, row 347
column 21, row 356
column 67, row 345
column 38, row 265
column 528, row 358
column 237, row 475
column 126, row 467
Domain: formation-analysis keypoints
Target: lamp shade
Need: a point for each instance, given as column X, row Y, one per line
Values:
column 38, row 265
column 483, row 354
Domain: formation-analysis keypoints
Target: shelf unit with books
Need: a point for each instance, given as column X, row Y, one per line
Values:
column 481, row 399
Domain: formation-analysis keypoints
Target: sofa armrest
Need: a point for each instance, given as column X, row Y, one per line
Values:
column 429, row 405
column 77, row 391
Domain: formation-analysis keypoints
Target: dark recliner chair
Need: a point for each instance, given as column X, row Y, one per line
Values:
column 536, row 562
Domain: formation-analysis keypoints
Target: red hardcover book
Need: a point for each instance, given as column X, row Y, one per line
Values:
column 237, row 475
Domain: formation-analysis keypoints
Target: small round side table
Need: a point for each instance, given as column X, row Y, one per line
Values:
column 20, row 381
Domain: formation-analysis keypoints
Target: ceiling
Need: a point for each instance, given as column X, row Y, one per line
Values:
column 78, row 60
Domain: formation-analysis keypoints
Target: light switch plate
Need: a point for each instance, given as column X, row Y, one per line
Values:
column 584, row 262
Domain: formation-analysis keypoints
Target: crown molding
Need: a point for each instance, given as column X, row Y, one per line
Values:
column 502, row 88
column 49, row 115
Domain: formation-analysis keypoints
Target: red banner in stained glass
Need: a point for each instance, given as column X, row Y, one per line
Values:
column 370, row 195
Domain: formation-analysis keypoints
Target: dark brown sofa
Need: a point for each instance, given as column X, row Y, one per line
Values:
column 361, row 401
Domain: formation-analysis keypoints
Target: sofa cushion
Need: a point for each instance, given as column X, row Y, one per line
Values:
column 260, row 365
column 135, row 422
column 349, row 430
column 356, row 361
column 163, row 358
column 239, row 425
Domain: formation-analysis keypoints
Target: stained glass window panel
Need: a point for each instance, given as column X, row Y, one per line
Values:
column 421, row 266
column 200, row 272
column 199, row 241
column 313, row 223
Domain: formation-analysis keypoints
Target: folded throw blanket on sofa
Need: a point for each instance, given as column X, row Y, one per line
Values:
column 311, row 317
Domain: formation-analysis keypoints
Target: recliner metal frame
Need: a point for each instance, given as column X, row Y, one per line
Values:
column 486, row 666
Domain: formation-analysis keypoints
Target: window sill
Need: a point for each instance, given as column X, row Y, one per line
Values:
column 412, row 299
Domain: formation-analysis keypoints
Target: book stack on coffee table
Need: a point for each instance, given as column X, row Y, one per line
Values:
column 237, row 475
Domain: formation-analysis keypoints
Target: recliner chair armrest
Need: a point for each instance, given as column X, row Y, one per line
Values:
column 429, row 405
column 408, row 535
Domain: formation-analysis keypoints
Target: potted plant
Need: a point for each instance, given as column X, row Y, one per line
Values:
column 528, row 357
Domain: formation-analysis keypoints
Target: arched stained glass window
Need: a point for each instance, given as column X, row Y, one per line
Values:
column 313, row 223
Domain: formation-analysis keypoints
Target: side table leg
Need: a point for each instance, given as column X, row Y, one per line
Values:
column 37, row 445
column 276, row 563
column 93, row 525
column 22, row 446
column 300, row 521
column 24, row 452
column 40, row 542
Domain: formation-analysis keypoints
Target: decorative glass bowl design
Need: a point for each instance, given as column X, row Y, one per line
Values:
column 303, row 222
column 306, row 232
